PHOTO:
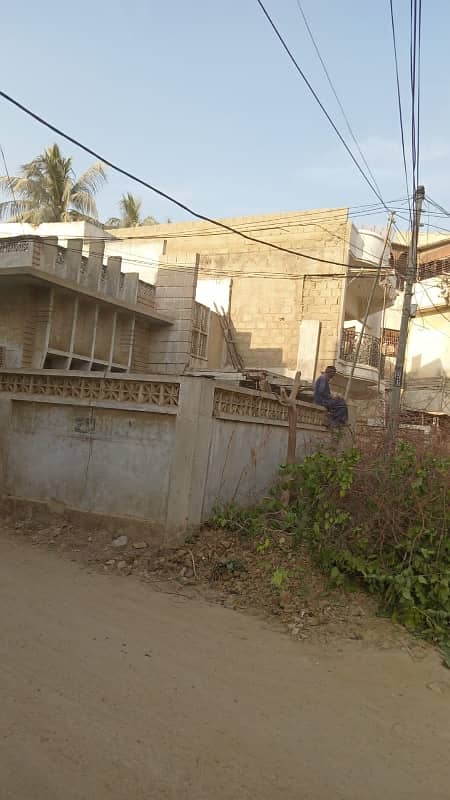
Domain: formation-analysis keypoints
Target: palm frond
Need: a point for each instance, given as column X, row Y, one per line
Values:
column 46, row 190
column 10, row 210
column 84, row 203
column 91, row 180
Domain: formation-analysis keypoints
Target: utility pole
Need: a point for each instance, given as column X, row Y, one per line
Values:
column 369, row 306
column 411, row 273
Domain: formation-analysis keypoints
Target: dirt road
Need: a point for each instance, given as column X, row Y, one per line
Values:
column 112, row 690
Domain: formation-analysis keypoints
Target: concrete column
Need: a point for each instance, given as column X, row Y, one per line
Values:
column 49, row 251
column 42, row 321
column 170, row 347
column 94, row 335
column 113, row 276
column 5, row 423
column 130, row 348
column 129, row 289
column 95, row 264
column 113, row 340
column 308, row 348
column 189, row 465
column 74, row 321
column 73, row 259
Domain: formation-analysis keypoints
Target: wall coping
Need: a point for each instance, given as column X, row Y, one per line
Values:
column 249, row 405
column 117, row 376
column 154, row 393
column 123, row 391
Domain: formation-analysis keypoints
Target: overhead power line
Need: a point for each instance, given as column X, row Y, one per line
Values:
column 419, row 59
column 112, row 238
column 440, row 208
column 162, row 193
column 415, row 59
column 319, row 102
column 11, row 185
column 158, row 191
column 229, row 271
column 337, row 98
column 399, row 102
column 220, row 272
column 436, row 308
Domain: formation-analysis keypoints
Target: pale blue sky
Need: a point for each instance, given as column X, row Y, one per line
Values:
column 200, row 99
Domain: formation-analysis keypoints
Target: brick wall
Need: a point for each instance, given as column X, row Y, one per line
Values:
column 273, row 291
column 322, row 300
column 169, row 348
column 24, row 314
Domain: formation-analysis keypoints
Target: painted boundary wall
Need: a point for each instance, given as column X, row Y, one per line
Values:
column 153, row 451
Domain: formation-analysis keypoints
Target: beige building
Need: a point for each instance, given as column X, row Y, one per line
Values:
column 287, row 311
column 191, row 297
column 63, row 310
column 427, row 367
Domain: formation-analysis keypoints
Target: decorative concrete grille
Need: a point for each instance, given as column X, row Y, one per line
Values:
column 239, row 404
column 146, row 294
column 121, row 391
column 14, row 247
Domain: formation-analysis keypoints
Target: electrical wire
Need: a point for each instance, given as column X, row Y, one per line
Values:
column 11, row 185
column 318, row 100
column 440, row 208
column 112, row 239
column 436, row 308
column 131, row 257
column 430, row 328
column 419, row 58
column 327, row 115
column 412, row 79
column 220, row 272
column 337, row 98
column 286, row 220
column 415, row 65
column 399, row 103
column 160, row 192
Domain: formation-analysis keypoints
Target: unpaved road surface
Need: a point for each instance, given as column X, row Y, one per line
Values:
column 112, row 690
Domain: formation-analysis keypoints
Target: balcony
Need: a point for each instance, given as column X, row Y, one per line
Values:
column 370, row 359
column 365, row 252
column 43, row 261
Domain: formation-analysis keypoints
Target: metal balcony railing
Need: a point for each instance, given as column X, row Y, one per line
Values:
column 369, row 351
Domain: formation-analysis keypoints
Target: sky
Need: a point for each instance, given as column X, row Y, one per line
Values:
column 200, row 99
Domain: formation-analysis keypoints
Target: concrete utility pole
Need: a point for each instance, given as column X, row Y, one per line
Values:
column 369, row 306
column 411, row 272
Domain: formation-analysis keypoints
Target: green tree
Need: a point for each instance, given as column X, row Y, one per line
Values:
column 130, row 214
column 47, row 190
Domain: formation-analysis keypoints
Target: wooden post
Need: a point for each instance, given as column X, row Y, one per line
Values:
column 290, row 400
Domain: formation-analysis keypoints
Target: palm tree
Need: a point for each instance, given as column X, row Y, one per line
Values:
column 130, row 207
column 47, row 190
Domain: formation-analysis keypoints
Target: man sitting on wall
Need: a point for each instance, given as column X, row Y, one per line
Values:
column 336, row 406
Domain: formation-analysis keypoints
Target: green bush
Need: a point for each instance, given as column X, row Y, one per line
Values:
column 380, row 522
column 384, row 523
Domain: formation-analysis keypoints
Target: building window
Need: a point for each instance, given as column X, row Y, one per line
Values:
column 348, row 342
column 431, row 269
column 401, row 265
column 390, row 342
column 200, row 328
